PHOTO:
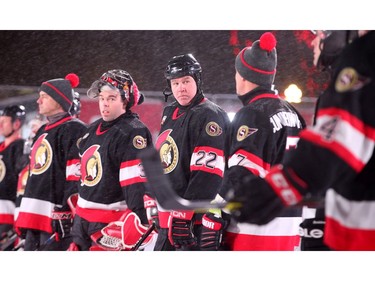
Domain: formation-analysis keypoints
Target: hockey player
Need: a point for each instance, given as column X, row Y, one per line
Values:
column 337, row 154
column 327, row 46
column 192, row 149
column 44, row 214
column 112, row 181
column 11, row 150
column 263, row 131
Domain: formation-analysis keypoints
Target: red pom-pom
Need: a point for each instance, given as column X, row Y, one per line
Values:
column 73, row 79
column 267, row 41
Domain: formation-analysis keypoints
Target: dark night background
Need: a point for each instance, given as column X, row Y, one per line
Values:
column 29, row 57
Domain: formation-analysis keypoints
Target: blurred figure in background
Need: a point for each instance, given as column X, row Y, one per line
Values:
column 11, row 150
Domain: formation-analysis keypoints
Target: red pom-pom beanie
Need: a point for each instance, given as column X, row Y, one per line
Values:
column 61, row 90
column 257, row 63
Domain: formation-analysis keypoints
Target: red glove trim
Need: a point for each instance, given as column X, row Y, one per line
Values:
column 282, row 187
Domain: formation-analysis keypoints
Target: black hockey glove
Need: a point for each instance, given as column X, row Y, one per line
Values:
column 312, row 232
column 62, row 222
column 254, row 202
column 213, row 225
column 180, row 232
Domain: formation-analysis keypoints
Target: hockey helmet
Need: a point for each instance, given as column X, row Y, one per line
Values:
column 120, row 80
column 180, row 66
column 331, row 45
column 75, row 109
column 183, row 65
column 15, row 111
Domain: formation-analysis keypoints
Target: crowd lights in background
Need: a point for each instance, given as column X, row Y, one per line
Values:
column 293, row 93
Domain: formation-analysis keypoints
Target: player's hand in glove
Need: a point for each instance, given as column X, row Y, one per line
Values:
column 213, row 225
column 258, row 201
column 180, row 231
column 62, row 222
column 151, row 211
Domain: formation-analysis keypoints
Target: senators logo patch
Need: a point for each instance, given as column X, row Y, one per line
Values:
column 349, row 80
column 168, row 151
column 41, row 156
column 91, row 166
column 213, row 129
column 3, row 169
column 244, row 131
column 139, row 142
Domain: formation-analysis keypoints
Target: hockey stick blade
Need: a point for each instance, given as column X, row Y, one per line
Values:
column 161, row 187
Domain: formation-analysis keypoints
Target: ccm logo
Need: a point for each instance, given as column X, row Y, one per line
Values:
column 283, row 189
column 149, row 203
column 180, row 215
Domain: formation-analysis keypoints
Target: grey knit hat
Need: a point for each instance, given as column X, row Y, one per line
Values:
column 257, row 63
column 61, row 90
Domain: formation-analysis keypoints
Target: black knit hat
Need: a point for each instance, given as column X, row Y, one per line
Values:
column 61, row 90
column 257, row 63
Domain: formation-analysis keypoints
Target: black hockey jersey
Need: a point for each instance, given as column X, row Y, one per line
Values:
column 338, row 152
column 9, row 157
column 192, row 146
column 261, row 134
column 53, row 173
column 112, row 179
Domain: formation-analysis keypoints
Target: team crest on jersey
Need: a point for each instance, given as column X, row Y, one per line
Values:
column 213, row 129
column 139, row 142
column 91, row 166
column 244, row 131
column 168, row 151
column 3, row 169
column 349, row 80
column 41, row 156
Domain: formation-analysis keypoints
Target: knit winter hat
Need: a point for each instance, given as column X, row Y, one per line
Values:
column 257, row 63
column 61, row 90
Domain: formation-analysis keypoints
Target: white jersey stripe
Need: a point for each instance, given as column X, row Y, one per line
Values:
column 7, row 207
column 280, row 226
column 238, row 159
column 121, row 205
column 351, row 214
column 347, row 135
column 36, row 206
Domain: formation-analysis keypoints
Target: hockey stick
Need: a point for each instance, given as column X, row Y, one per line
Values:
column 46, row 243
column 162, row 190
column 10, row 239
column 143, row 237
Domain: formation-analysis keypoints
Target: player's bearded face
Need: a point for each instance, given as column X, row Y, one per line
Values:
column 111, row 105
column 184, row 89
